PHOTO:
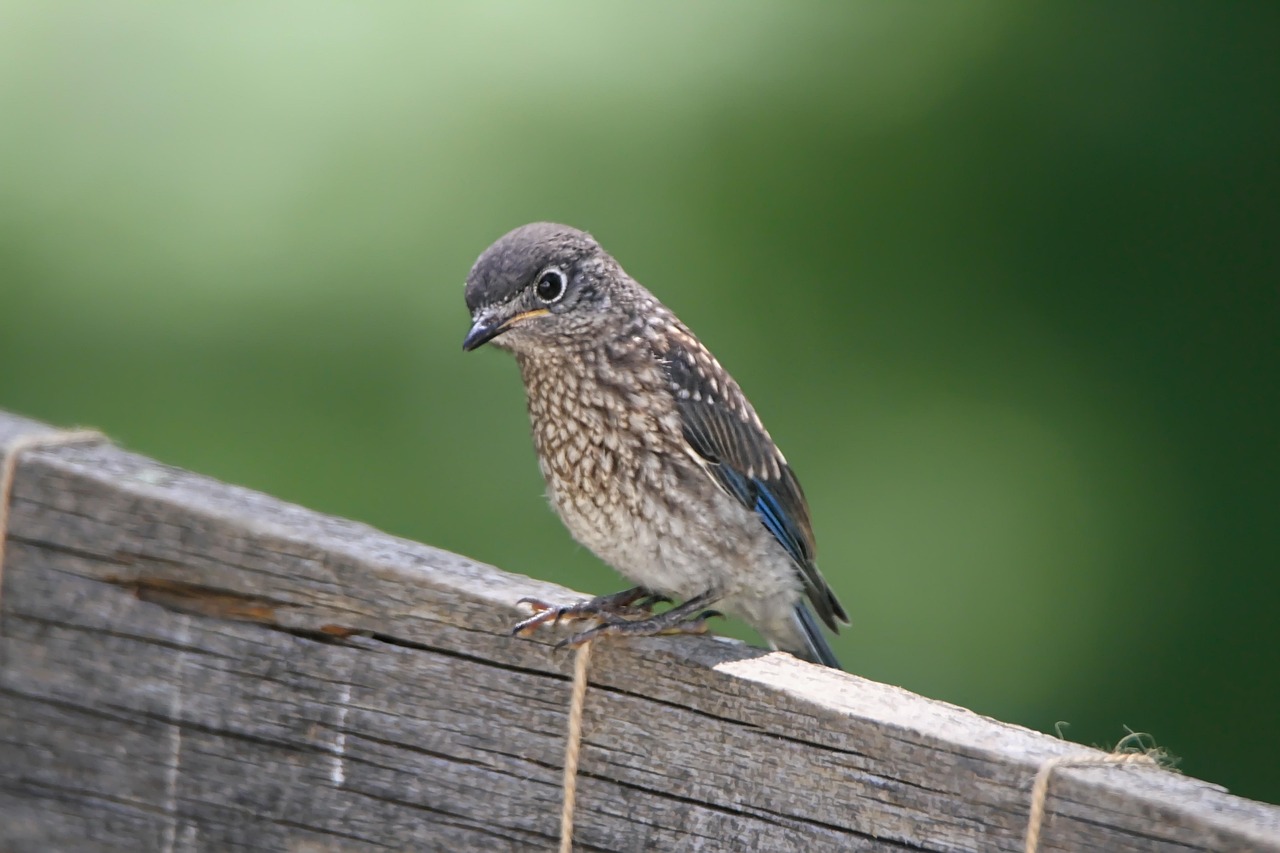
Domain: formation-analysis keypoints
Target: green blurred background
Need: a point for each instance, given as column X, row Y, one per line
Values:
column 1002, row 280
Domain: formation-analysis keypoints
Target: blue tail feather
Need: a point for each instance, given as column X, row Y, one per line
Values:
column 818, row 649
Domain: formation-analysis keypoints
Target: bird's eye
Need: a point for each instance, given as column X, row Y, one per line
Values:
column 550, row 286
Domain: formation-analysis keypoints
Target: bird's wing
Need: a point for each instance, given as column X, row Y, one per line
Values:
column 726, row 434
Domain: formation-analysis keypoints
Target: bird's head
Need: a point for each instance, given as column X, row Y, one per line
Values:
column 540, row 285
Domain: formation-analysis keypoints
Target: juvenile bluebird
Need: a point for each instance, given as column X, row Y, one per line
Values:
column 653, row 458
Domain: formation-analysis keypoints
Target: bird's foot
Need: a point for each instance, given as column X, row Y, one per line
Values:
column 671, row 622
column 624, row 607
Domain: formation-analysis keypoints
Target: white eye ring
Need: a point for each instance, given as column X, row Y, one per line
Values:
column 550, row 285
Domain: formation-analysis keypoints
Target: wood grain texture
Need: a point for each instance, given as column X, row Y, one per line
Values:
column 186, row 665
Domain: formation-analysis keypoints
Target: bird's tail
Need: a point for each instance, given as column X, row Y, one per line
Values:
column 808, row 642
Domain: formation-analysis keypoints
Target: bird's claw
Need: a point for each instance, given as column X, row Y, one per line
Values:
column 544, row 613
column 631, row 604
column 651, row 627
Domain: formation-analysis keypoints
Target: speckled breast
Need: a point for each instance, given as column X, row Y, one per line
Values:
column 610, row 449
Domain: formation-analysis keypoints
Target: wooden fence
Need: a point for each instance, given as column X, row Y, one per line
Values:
column 186, row 665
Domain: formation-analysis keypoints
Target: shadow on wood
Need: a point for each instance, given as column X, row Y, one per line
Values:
column 186, row 665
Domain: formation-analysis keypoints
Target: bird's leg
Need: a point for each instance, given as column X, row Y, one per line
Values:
column 628, row 604
column 687, row 618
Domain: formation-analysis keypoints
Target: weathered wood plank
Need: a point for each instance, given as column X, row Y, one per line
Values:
column 186, row 665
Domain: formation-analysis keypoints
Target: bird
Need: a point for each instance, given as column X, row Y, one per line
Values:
column 653, row 457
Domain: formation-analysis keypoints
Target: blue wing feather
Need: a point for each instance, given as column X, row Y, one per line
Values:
column 736, row 484
column 721, row 428
column 779, row 522
column 755, row 493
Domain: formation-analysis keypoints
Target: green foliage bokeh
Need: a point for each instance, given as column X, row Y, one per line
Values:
column 1000, row 278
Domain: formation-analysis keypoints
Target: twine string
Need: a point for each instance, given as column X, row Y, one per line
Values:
column 573, row 746
column 1125, row 753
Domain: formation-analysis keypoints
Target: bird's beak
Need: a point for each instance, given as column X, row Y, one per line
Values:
column 485, row 329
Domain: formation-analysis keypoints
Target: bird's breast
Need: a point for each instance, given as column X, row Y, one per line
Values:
column 623, row 480
column 610, row 447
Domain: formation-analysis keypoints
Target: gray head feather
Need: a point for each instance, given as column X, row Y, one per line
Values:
column 515, row 258
column 505, row 299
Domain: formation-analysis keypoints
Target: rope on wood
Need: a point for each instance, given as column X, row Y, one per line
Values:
column 9, row 468
column 573, row 746
column 1125, row 753
column 1130, row 750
